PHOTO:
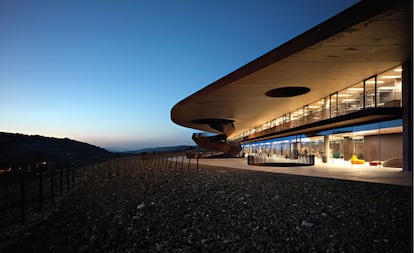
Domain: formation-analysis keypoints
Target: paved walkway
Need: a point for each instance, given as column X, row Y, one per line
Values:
column 338, row 171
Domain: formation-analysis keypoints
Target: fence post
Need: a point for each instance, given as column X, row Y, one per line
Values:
column 197, row 161
column 169, row 163
column 22, row 196
column 40, row 187
column 52, row 184
column 109, row 169
column 189, row 162
column 158, row 162
column 125, row 167
column 67, row 179
column 61, row 181
column 165, row 163
column 161, row 163
column 182, row 162
column 73, row 176
column 176, row 162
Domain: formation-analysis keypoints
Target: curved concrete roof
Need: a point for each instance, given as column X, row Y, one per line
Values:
column 367, row 38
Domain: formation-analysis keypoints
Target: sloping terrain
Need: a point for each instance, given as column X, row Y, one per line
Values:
column 20, row 150
column 225, row 210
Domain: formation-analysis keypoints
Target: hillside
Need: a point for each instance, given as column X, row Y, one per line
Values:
column 20, row 149
column 162, row 149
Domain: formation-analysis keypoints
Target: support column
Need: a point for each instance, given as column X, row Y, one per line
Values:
column 407, row 104
column 326, row 149
column 347, row 147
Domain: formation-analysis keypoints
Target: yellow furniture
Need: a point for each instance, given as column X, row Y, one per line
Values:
column 355, row 160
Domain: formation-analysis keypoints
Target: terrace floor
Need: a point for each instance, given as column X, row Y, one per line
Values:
column 336, row 170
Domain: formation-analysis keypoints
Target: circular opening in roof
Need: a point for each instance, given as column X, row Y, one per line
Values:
column 287, row 92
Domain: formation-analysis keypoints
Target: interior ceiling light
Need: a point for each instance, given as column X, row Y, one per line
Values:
column 373, row 82
column 287, row 91
column 354, row 89
column 386, row 88
column 390, row 77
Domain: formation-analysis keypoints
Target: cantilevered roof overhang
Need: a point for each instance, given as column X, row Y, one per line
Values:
column 365, row 39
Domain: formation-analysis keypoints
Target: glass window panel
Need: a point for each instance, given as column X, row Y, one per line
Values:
column 355, row 95
column 296, row 114
column 279, row 121
column 343, row 102
column 350, row 98
column 315, row 110
column 306, row 114
column 316, row 107
column 306, row 110
column 333, row 105
column 370, row 93
column 389, row 88
column 296, row 117
column 287, row 117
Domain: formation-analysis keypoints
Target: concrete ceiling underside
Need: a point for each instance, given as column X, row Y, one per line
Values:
column 364, row 40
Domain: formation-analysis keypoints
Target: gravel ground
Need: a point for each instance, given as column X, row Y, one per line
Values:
column 227, row 210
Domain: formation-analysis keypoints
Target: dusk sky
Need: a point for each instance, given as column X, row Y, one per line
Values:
column 108, row 72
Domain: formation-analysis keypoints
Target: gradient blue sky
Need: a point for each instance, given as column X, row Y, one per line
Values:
column 108, row 72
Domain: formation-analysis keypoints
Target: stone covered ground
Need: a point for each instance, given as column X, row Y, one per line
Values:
column 225, row 210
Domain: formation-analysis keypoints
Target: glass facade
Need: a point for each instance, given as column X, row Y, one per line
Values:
column 371, row 144
column 382, row 90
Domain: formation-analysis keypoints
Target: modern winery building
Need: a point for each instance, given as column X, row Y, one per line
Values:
column 340, row 92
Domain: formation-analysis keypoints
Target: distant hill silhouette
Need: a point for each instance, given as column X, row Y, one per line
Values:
column 162, row 149
column 20, row 150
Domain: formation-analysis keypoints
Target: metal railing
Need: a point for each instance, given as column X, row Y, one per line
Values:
column 312, row 117
column 26, row 193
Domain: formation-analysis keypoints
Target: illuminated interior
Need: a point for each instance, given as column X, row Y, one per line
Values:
column 371, row 143
column 382, row 90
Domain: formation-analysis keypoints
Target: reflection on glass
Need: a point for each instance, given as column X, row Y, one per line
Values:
column 389, row 88
column 333, row 105
column 352, row 97
column 370, row 93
